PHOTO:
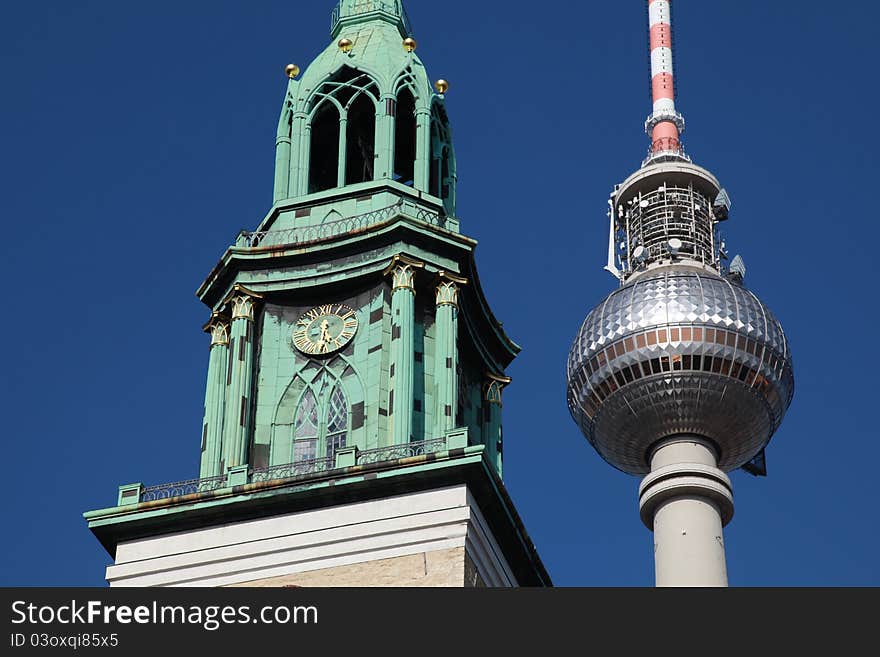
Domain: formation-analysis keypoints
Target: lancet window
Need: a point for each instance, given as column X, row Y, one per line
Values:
column 321, row 423
column 343, row 131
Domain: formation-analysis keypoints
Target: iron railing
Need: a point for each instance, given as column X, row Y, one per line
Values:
column 393, row 7
column 291, row 470
column 406, row 450
column 331, row 229
column 180, row 488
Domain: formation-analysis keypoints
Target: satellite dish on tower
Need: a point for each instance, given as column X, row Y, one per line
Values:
column 674, row 245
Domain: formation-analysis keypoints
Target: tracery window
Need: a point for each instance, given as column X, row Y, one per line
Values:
column 405, row 135
column 321, row 423
column 350, row 96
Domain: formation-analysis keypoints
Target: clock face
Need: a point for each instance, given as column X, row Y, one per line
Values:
column 325, row 329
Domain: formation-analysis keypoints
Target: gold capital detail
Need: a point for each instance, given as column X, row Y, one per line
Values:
column 447, row 294
column 403, row 276
column 219, row 332
column 403, row 272
column 448, row 287
column 494, row 386
column 243, row 307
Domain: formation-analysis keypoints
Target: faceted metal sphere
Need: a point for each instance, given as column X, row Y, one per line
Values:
column 679, row 351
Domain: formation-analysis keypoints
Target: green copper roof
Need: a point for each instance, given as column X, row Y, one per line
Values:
column 350, row 12
column 366, row 60
column 377, row 49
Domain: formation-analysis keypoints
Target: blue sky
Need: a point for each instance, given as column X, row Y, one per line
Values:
column 137, row 140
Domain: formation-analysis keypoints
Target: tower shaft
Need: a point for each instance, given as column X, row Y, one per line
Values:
column 686, row 501
column 682, row 374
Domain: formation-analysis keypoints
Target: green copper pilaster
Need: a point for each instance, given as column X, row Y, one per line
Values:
column 446, row 353
column 283, row 147
column 385, row 134
column 401, row 387
column 239, row 379
column 423, row 148
column 343, row 154
column 493, row 389
column 215, row 398
column 299, row 183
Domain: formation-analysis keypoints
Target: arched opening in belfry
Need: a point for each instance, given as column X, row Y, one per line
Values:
column 405, row 138
column 360, row 140
column 442, row 175
column 445, row 177
column 324, row 149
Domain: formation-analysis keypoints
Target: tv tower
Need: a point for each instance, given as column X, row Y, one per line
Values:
column 681, row 374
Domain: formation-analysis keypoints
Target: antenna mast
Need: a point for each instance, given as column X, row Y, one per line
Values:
column 665, row 124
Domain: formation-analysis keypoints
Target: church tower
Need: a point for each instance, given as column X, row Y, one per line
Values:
column 352, row 422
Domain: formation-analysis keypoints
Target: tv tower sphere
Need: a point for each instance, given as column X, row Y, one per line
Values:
column 681, row 374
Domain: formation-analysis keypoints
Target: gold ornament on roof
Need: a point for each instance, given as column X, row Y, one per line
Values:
column 345, row 45
column 291, row 70
column 442, row 86
column 410, row 44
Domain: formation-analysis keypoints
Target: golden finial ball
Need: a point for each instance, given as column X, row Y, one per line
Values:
column 410, row 44
column 442, row 86
column 345, row 45
column 291, row 71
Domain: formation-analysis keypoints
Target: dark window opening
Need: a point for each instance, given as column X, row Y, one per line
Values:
column 405, row 139
column 346, row 83
column 360, row 150
column 324, row 149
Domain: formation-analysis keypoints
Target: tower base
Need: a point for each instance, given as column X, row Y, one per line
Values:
column 438, row 520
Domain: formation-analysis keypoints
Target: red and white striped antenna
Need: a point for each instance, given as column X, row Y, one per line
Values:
column 665, row 125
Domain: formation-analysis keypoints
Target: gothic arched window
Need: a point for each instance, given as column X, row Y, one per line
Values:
column 441, row 180
column 321, row 424
column 360, row 148
column 324, row 149
column 305, row 428
column 405, row 138
column 337, row 420
column 349, row 96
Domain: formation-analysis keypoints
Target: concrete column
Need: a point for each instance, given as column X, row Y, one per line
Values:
column 686, row 500
column 215, row 399
column 492, row 392
column 446, row 353
column 239, row 389
column 401, row 384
